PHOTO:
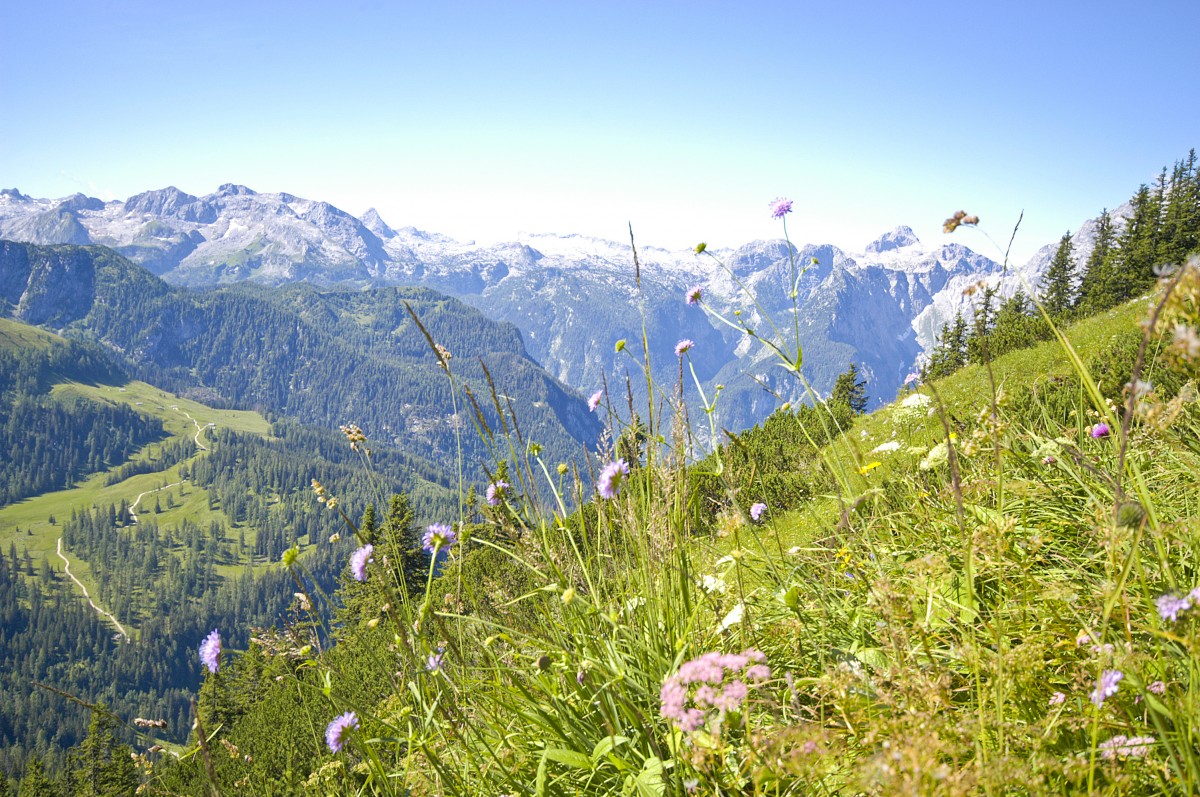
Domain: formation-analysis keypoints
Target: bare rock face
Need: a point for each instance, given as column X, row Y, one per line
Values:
column 50, row 287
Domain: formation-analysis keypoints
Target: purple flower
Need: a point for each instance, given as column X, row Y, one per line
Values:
column 1120, row 746
column 1106, row 686
column 756, row 511
column 1049, row 459
column 1169, row 606
column 683, row 346
column 694, row 295
column 611, row 477
column 911, row 378
column 711, row 682
column 594, row 400
column 780, row 207
column 1100, row 430
column 1158, row 687
column 338, row 730
column 496, row 492
column 438, row 536
column 358, row 562
column 1057, row 699
column 210, row 651
column 433, row 664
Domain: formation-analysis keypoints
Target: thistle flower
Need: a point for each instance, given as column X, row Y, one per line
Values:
column 594, row 400
column 694, row 295
column 210, row 651
column 437, row 537
column 496, row 492
column 1100, row 430
column 339, row 730
column 683, row 346
column 611, row 477
column 358, row 562
column 1169, row 606
column 1106, row 686
column 756, row 511
column 780, row 207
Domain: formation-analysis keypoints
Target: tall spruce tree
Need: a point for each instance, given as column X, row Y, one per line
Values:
column 850, row 390
column 1058, row 283
column 1095, row 287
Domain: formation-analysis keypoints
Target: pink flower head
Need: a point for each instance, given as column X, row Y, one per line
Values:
column 496, row 492
column 694, row 295
column 210, row 651
column 1100, row 430
column 1057, row 699
column 780, row 207
column 339, row 730
column 756, row 511
column 358, row 562
column 713, row 682
column 611, row 477
column 1158, row 687
column 682, row 346
column 594, row 400
column 911, row 378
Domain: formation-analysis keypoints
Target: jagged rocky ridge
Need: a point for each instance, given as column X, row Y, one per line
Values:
column 571, row 296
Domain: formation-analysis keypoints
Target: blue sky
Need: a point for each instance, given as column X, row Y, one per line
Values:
column 481, row 120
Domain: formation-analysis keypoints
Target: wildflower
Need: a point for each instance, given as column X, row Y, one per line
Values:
column 496, row 492
column 780, row 207
column 682, row 346
column 694, row 295
column 912, row 378
column 594, row 400
column 1121, row 746
column 1057, row 699
column 358, row 562
column 756, row 511
column 1169, row 606
column 715, row 681
column 437, row 537
column 1106, row 686
column 1049, row 459
column 870, row 466
column 611, row 477
column 339, row 730
column 886, row 448
column 1100, row 430
column 1158, row 687
column 210, row 651
column 433, row 664
column 700, row 247
column 1195, row 595
column 714, row 585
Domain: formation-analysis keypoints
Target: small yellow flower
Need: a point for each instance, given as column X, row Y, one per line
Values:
column 700, row 247
column 870, row 466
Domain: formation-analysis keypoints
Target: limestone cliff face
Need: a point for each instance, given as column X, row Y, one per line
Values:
column 47, row 286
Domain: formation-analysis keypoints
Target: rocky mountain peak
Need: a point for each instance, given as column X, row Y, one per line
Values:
column 373, row 222
column 233, row 189
column 896, row 239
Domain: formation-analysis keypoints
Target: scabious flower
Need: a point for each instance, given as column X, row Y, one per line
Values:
column 611, row 477
column 715, row 681
column 683, row 346
column 694, row 295
column 496, row 492
column 1100, row 430
column 1106, row 686
column 358, row 562
column 1169, row 606
column 438, row 536
column 210, row 651
column 780, row 207
column 594, row 400
column 339, row 730
column 756, row 511
column 1121, row 746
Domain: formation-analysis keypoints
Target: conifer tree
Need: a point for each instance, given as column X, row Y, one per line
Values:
column 1058, row 282
column 850, row 390
column 35, row 783
column 1095, row 288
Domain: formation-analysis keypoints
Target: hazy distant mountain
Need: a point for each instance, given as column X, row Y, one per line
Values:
column 571, row 296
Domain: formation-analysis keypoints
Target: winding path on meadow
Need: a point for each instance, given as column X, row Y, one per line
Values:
column 67, row 569
column 199, row 429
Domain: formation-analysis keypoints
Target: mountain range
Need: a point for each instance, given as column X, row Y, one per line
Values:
column 572, row 297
